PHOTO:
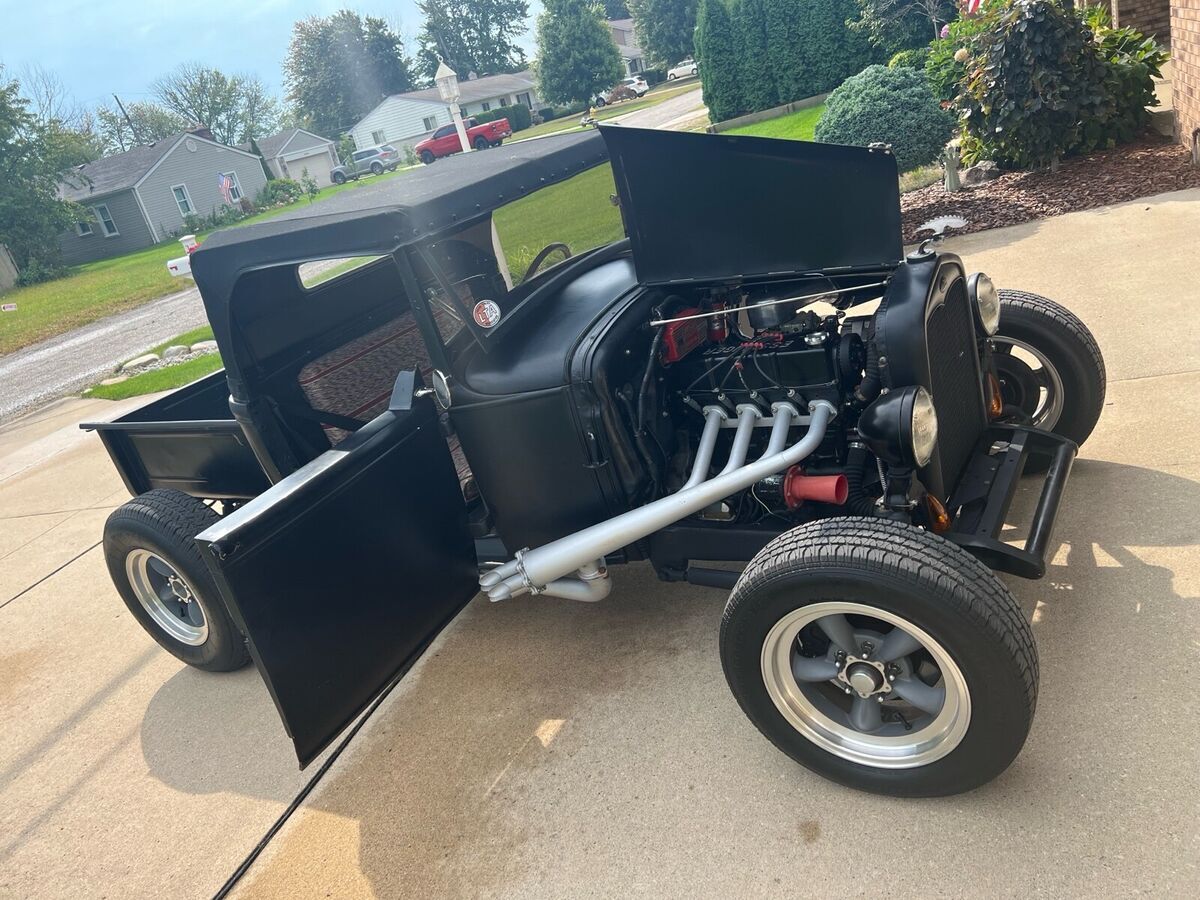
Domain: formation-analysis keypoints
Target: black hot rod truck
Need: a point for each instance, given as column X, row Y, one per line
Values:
column 748, row 369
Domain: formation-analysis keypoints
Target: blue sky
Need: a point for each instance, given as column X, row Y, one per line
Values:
column 101, row 47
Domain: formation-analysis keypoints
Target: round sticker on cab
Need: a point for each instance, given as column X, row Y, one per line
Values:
column 486, row 313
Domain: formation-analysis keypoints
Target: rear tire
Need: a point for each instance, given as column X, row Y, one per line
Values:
column 150, row 548
column 481, row 143
column 1070, row 365
column 671, row 76
column 376, row 168
column 958, row 627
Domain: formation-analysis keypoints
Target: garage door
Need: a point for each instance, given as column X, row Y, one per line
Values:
column 318, row 166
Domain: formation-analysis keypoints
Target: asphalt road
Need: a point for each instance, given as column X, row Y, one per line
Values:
column 70, row 362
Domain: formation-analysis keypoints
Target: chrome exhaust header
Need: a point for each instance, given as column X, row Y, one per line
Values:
column 573, row 566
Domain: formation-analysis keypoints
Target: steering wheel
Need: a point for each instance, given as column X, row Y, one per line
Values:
column 543, row 254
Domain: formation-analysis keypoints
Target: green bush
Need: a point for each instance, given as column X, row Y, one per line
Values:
column 945, row 73
column 893, row 106
column 547, row 113
column 1042, row 83
column 909, row 59
column 518, row 115
column 279, row 192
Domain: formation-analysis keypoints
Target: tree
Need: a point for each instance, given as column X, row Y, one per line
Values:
column 31, row 214
column 810, row 49
column 235, row 108
column 665, row 28
column 757, row 79
column 68, row 128
column 311, row 188
column 339, row 67
column 150, row 123
column 894, row 25
column 577, row 57
column 472, row 36
column 719, row 60
column 616, row 9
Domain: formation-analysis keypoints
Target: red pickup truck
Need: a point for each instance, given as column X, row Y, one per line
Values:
column 445, row 141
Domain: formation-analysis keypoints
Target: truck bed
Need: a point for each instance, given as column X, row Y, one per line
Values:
column 188, row 441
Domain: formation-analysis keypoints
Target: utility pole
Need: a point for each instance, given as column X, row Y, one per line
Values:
column 128, row 121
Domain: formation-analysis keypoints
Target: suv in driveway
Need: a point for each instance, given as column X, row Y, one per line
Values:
column 373, row 161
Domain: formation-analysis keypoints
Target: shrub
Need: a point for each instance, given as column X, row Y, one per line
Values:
column 894, row 106
column 37, row 270
column 518, row 115
column 909, row 59
column 1042, row 84
column 279, row 192
column 547, row 113
column 943, row 72
column 810, row 49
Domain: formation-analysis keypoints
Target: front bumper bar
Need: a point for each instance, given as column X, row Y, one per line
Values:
column 986, row 489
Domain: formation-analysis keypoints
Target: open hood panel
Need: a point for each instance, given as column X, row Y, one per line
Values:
column 714, row 207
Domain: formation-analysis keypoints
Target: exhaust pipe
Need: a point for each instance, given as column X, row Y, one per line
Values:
column 546, row 569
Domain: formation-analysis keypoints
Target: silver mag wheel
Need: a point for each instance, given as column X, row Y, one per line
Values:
column 881, row 656
column 865, row 684
column 1029, row 382
column 167, row 597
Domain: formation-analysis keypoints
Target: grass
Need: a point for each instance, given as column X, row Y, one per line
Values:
column 164, row 379
column 797, row 126
column 203, row 333
column 576, row 212
column 108, row 286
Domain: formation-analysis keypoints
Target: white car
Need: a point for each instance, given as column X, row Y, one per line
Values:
column 636, row 83
column 684, row 69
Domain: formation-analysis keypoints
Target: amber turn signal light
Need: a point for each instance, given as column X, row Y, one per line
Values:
column 995, row 399
column 939, row 519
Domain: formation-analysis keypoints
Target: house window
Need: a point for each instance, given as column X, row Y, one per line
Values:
column 107, row 225
column 183, row 200
column 83, row 229
column 504, row 101
column 235, row 187
column 430, row 123
column 377, row 137
column 486, row 106
column 524, row 98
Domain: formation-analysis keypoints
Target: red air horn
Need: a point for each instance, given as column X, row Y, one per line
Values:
column 798, row 487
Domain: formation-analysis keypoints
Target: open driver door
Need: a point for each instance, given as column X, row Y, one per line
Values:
column 342, row 573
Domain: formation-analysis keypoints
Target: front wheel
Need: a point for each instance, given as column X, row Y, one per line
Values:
column 1050, row 369
column 882, row 657
column 339, row 178
column 150, row 548
column 427, row 157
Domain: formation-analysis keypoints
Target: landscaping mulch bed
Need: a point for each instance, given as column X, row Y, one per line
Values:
column 1149, row 166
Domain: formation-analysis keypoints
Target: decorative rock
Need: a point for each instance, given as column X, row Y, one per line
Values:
column 175, row 350
column 204, row 347
column 981, row 172
column 117, row 380
column 140, row 362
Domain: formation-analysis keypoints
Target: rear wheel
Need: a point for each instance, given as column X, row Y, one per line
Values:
column 481, row 143
column 671, row 76
column 152, row 557
column 1050, row 369
column 427, row 157
column 882, row 657
column 376, row 168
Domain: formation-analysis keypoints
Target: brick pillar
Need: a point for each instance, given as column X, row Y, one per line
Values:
column 1185, row 53
column 1151, row 17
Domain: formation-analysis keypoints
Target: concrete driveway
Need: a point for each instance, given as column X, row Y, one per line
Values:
column 543, row 748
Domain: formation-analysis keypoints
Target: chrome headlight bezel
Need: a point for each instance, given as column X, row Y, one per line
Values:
column 985, row 300
column 922, row 428
column 900, row 426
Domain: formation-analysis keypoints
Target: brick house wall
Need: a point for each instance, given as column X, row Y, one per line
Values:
column 1185, row 52
column 1151, row 17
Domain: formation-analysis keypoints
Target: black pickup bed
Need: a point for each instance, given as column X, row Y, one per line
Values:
column 187, row 440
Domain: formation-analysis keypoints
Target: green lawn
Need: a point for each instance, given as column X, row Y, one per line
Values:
column 576, row 212
column 109, row 286
column 203, row 333
column 164, row 379
column 797, row 126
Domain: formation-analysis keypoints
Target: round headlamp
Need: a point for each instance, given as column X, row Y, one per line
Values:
column 900, row 427
column 986, row 300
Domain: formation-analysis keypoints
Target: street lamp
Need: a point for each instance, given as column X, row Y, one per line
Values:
column 446, row 80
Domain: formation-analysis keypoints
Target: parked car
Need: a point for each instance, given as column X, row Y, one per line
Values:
column 372, row 161
column 625, row 89
column 444, row 141
column 682, row 69
column 848, row 421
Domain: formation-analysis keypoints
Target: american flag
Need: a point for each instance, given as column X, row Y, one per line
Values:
column 972, row 6
column 225, row 186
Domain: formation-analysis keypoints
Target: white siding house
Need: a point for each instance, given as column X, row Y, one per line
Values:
column 406, row 118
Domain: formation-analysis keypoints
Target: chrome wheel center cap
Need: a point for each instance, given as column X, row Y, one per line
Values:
column 180, row 590
column 864, row 676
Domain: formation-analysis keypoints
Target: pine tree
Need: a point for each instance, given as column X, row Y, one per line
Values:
column 719, row 60
column 757, row 77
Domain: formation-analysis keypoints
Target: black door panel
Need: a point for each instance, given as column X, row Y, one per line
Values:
column 342, row 573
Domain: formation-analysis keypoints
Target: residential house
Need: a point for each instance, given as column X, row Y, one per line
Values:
column 140, row 197
column 1185, row 77
column 407, row 118
column 625, row 38
column 288, row 153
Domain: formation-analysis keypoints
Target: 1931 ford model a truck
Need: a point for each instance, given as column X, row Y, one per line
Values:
column 754, row 373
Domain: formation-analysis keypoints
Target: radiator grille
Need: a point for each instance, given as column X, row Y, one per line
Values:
column 955, row 381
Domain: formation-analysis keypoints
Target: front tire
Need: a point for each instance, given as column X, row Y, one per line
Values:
column 339, row 178
column 1049, row 365
column 827, row 613
column 150, row 548
column 427, row 157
